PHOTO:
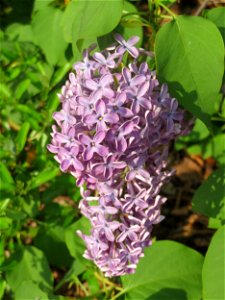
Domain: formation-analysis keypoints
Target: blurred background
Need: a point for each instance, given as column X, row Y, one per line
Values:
column 39, row 213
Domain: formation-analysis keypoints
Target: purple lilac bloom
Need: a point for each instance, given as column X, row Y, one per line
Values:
column 113, row 133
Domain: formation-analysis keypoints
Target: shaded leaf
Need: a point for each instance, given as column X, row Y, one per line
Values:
column 2, row 287
column 51, row 240
column 76, row 269
column 213, row 147
column 30, row 290
column 43, row 177
column 32, row 266
column 22, row 137
column 7, row 182
column 22, row 88
column 209, row 199
column 74, row 243
column 198, row 133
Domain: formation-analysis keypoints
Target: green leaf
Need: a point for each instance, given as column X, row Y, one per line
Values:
column 2, row 287
column 30, row 111
column 213, row 147
column 67, row 21
column 22, row 32
column 209, row 199
column 60, row 73
column 198, row 133
column 22, row 88
column 6, row 180
column 43, row 177
column 15, row 214
column 52, row 104
column 89, row 19
column 93, row 282
column 4, row 204
column 51, row 240
column 214, row 223
column 10, row 262
column 190, row 59
column 22, row 137
column 5, row 223
column 83, row 44
column 4, row 90
column 32, row 266
column 213, row 268
column 217, row 16
column 74, row 243
column 169, row 270
column 85, row 29
column 30, row 290
column 124, row 28
column 40, row 4
column 48, row 33
column 76, row 269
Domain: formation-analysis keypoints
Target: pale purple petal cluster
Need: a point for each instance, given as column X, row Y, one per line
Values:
column 112, row 134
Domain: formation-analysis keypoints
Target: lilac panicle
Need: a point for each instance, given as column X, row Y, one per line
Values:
column 112, row 133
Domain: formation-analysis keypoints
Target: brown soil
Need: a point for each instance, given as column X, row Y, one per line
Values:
column 181, row 223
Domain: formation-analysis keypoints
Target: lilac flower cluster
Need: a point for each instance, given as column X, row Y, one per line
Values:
column 112, row 134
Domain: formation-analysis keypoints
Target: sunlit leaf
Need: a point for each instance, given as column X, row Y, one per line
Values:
column 22, row 32
column 213, row 268
column 169, row 270
column 217, row 16
column 190, row 59
column 48, row 33
column 84, row 24
column 7, row 182
column 79, row 20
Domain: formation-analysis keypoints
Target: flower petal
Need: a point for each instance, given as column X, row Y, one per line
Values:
column 102, row 150
column 91, row 84
column 88, row 153
column 77, row 164
column 111, row 118
column 133, row 40
column 90, row 119
column 84, row 139
column 100, row 107
column 99, row 137
column 126, row 128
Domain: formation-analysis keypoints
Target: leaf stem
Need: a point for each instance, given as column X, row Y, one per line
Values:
column 77, row 280
column 173, row 15
column 166, row 17
column 118, row 295
column 106, row 281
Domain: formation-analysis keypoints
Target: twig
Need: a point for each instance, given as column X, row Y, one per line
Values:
column 201, row 7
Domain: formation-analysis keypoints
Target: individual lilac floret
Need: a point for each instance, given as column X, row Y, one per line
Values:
column 113, row 133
